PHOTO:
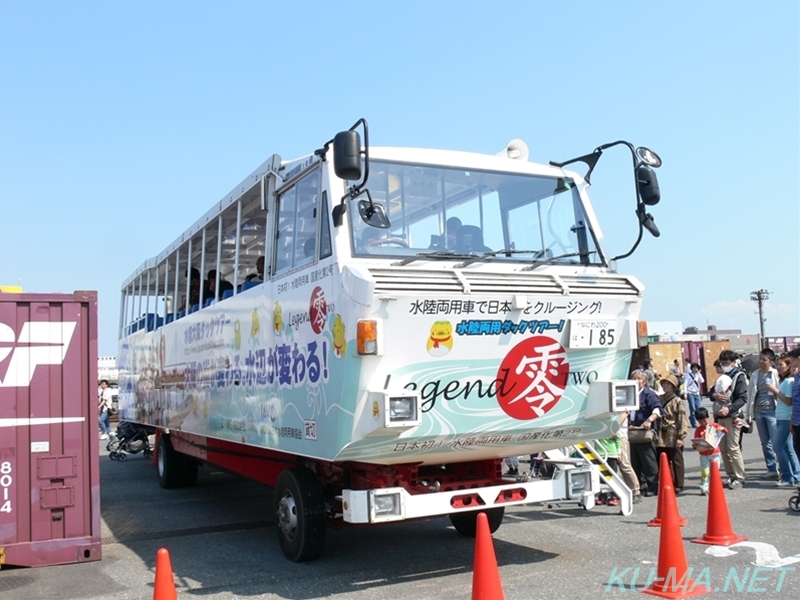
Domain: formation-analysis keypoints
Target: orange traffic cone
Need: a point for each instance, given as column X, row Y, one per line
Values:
column 666, row 493
column 672, row 576
column 718, row 522
column 486, row 583
column 164, row 588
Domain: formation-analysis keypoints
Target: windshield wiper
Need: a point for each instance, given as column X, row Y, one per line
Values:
column 438, row 255
column 552, row 259
column 473, row 258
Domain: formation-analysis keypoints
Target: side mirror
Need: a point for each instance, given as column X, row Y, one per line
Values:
column 647, row 185
column 347, row 155
column 373, row 214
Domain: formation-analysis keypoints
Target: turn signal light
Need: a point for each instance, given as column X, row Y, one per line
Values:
column 367, row 337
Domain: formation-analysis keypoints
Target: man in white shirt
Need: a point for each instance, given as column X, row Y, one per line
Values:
column 761, row 408
column 104, row 399
column 691, row 385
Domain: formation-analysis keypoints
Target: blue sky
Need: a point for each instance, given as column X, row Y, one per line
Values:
column 121, row 123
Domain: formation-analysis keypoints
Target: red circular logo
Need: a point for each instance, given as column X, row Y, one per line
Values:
column 532, row 378
column 318, row 310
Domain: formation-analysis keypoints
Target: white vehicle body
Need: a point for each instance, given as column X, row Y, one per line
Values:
column 373, row 357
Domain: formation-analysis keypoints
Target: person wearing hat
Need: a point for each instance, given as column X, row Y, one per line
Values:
column 673, row 430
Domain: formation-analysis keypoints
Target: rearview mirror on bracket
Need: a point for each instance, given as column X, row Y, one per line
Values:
column 373, row 214
column 647, row 184
column 347, row 155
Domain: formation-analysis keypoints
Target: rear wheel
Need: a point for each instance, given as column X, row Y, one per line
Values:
column 170, row 464
column 466, row 523
column 300, row 511
column 794, row 503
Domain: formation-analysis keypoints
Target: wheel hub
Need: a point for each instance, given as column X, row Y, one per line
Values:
column 287, row 515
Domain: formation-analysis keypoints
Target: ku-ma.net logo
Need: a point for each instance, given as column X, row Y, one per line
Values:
column 534, row 375
column 39, row 343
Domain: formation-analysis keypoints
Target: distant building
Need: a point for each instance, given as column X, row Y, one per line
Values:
column 712, row 332
column 107, row 369
column 665, row 329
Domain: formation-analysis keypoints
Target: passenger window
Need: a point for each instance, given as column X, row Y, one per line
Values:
column 325, row 249
column 296, row 237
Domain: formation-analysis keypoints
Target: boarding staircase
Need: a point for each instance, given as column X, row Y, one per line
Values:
column 604, row 479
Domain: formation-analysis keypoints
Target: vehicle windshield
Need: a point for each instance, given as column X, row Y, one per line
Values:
column 440, row 213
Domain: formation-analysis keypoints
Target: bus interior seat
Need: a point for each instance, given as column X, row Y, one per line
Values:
column 251, row 284
column 469, row 238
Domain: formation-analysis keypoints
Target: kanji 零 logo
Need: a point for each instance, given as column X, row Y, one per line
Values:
column 534, row 375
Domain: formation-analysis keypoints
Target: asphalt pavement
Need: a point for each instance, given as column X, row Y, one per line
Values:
column 222, row 542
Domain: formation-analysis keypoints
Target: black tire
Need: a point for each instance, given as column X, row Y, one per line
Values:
column 794, row 503
column 170, row 464
column 300, row 513
column 466, row 523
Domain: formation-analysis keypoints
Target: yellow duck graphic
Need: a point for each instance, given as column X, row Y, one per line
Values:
column 277, row 319
column 254, row 328
column 339, row 341
column 237, row 334
column 440, row 342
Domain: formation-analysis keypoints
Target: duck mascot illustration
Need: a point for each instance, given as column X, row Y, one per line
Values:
column 237, row 334
column 440, row 341
column 339, row 341
column 255, row 327
column 277, row 318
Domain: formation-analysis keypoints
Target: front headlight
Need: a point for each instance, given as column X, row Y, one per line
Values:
column 402, row 409
column 578, row 482
column 385, row 505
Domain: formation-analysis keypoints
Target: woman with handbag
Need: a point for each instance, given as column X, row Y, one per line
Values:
column 642, row 434
column 673, row 429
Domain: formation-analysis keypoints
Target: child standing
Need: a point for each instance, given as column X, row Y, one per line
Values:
column 609, row 449
column 706, row 456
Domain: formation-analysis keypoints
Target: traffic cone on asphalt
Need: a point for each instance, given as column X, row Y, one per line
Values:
column 718, row 522
column 164, row 588
column 486, row 583
column 666, row 493
column 672, row 575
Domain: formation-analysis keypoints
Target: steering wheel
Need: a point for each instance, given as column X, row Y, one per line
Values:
column 385, row 241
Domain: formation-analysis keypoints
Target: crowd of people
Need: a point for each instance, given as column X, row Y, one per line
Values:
column 671, row 413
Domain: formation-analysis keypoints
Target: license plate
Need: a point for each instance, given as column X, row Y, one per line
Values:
column 593, row 334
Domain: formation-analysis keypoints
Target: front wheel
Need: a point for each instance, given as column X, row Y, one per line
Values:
column 300, row 511
column 794, row 503
column 466, row 523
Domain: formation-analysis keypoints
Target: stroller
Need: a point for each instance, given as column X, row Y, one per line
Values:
column 130, row 439
column 541, row 468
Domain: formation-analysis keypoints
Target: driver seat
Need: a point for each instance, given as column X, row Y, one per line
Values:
column 469, row 238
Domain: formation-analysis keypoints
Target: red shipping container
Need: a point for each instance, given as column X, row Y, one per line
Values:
column 49, row 446
column 791, row 342
column 777, row 344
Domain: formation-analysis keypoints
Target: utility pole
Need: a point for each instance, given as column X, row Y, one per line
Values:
column 760, row 297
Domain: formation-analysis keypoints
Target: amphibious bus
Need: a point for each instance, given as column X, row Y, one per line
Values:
column 371, row 330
